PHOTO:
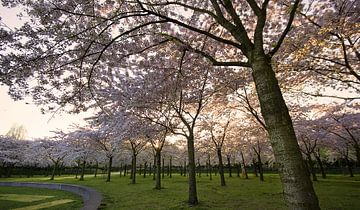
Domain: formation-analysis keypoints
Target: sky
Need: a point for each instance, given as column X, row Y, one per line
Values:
column 19, row 112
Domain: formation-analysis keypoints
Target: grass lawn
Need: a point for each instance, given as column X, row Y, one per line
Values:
column 335, row 192
column 27, row 198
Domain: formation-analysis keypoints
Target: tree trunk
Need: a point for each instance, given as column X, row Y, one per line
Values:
column 322, row 169
column 229, row 165
column 298, row 189
column 349, row 166
column 170, row 167
column 311, row 167
column 357, row 152
column 158, row 170
column 82, row 170
column 185, row 167
column 140, row 169
column 96, row 169
column 210, row 169
column 109, row 169
column 260, row 167
column 243, row 168
column 155, row 167
column 133, row 170
column 121, row 167
column 221, row 167
column 238, row 168
column 145, row 168
column 163, row 168
column 255, row 167
column 193, row 200
column 125, row 169
column 53, row 171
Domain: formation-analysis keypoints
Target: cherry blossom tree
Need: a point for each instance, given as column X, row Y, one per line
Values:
column 64, row 43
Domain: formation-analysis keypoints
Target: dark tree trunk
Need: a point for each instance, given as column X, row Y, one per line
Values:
column 229, row 165
column 243, row 168
column 121, row 167
column 96, row 169
column 311, row 167
column 199, row 168
column 140, row 169
column 163, row 168
column 155, row 167
column 185, row 168
column 145, row 168
column 133, row 170
column 53, row 171
column 125, row 169
column 260, row 167
column 221, row 167
column 349, row 166
column 109, row 169
column 82, row 170
column 193, row 200
column 255, row 168
column 181, row 170
column 357, row 152
column 298, row 189
column 158, row 170
column 321, row 166
column 170, row 167
column 238, row 169
column 210, row 170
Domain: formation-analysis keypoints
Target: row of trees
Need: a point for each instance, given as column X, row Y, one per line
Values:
column 160, row 68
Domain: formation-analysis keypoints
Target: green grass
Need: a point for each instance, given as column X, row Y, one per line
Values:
column 27, row 198
column 335, row 192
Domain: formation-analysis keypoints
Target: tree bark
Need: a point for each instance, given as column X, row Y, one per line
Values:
column 96, row 169
column 260, row 167
column 133, row 170
column 311, row 167
column 170, row 167
column 158, row 170
column 298, row 189
column 349, row 166
column 163, row 168
column 243, row 168
column 229, row 165
column 109, row 169
column 193, row 200
column 53, row 171
column 82, row 170
column 145, row 168
column 221, row 167
column 318, row 160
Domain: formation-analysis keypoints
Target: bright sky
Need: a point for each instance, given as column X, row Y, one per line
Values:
column 38, row 125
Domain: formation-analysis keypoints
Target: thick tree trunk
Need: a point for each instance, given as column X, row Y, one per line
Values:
column 109, row 169
column 193, row 200
column 255, row 167
column 158, row 170
column 221, row 167
column 298, row 189
column 349, row 166
column 133, row 170
column 82, row 170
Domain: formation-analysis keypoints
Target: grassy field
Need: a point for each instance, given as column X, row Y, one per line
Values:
column 27, row 198
column 335, row 192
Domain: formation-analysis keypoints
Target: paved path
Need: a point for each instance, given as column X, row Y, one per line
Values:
column 91, row 197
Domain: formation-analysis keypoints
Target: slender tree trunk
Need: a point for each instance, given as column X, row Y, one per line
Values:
column 199, row 168
column 109, row 169
column 140, row 169
column 193, row 200
column 121, row 167
column 163, row 168
column 243, row 168
column 185, row 168
column 260, row 166
column 170, row 167
column 133, row 170
column 221, row 167
column 298, row 189
column 229, row 165
column 238, row 168
column 96, row 169
column 53, row 171
column 158, row 170
column 82, row 170
column 155, row 167
column 357, row 153
column 145, row 168
column 210, row 169
column 311, row 167
column 125, row 169
column 255, row 168
column 322, row 169
column 181, row 170
column 349, row 166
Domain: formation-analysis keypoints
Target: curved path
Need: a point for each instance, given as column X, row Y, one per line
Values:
column 91, row 198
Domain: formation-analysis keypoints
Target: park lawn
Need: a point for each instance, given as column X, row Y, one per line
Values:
column 27, row 198
column 335, row 192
